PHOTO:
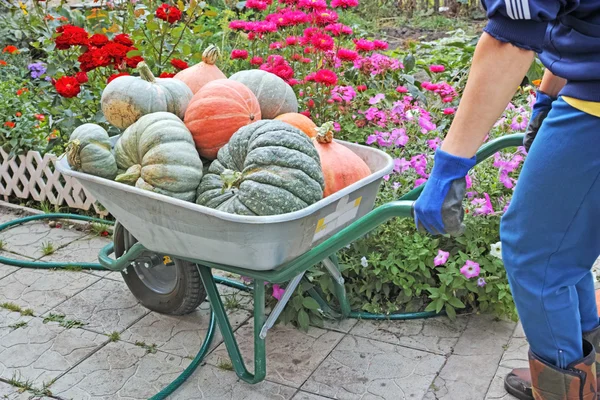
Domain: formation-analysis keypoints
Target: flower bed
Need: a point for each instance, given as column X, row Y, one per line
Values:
column 399, row 101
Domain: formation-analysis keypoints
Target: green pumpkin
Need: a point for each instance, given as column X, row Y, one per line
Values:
column 90, row 151
column 127, row 98
column 158, row 154
column 274, row 95
column 267, row 168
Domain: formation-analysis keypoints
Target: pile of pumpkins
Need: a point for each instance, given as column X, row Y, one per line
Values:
column 235, row 144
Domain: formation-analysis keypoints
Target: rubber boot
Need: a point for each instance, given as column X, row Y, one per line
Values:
column 518, row 381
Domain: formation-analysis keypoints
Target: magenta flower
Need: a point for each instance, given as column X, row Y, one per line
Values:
column 278, row 291
column 469, row 181
column 376, row 99
column 344, row 3
column 481, row 282
column 401, row 165
column 434, row 143
column 486, row 205
column 519, row 123
column 437, row 68
column 470, row 269
column 401, row 89
column 426, row 124
column 441, row 258
column 371, row 139
column 449, row 111
column 419, row 182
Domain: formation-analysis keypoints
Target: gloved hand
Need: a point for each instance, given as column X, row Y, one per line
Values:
column 541, row 108
column 439, row 209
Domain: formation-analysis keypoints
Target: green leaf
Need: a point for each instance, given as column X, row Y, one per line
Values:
column 409, row 62
column 303, row 319
column 152, row 26
column 454, row 301
column 451, row 312
column 430, row 307
column 310, row 303
column 439, row 305
column 133, row 53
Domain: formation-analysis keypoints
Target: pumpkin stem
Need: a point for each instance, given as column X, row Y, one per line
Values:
column 211, row 54
column 325, row 133
column 145, row 72
column 231, row 179
column 130, row 176
column 73, row 157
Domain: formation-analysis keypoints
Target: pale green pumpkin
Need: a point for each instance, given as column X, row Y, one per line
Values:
column 274, row 95
column 158, row 154
column 127, row 98
column 90, row 151
column 267, row 168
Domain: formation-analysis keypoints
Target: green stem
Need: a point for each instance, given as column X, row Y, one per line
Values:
column 185, row 27
column 145, row 72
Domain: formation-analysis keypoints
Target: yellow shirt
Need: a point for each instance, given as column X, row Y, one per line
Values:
column 588, row 107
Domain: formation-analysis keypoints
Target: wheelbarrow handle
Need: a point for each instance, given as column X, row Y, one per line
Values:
column 484, row 152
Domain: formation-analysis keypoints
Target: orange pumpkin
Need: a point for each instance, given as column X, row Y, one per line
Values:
column 196, row 76
column 301, row 122
column 217, row 111
column 341, row 166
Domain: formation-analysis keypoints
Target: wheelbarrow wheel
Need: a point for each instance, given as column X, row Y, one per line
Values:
column 169, row 286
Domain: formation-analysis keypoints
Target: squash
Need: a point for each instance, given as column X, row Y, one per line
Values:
column 274, row 95
column 89, row 150
column 217, row 111
column 127, row 98
column 267, row 168
column 159, row 155
column 341, row 166
column 301, row 122
column 196, row 76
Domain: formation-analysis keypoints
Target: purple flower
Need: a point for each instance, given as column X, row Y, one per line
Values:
column 337, row 127
column 419, row 182
column 507, row 181
column 371, row 139
column 386, row 178
column 481, row 282
column 376, row 99
column 37, row 69
column 401, row 165
column 419, row 163
column 486, row 205
column 434, row 143
column 396, row 185
column 441, row 257
column 469, row 181
column 399, row 137
column 426, row 124
column 519, row 123
column 278, row 291
column 470, row 269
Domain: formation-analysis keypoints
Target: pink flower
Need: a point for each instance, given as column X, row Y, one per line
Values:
column 519, row 123
column 322, row 42
column 259, row 5
column 312, row 4
column 237, row 25
column 344, row 3
column 256, row 60
column 380, row 45
column 468, row 181
column 401, row 89
column 441, row 258
column 291, row 40
column 325, row 17
column 449, row 111
column 238, row 54
column 470, row 269
column 426, row 124
column 486, row 205
column 363, row 45
column 339, row 29
column 326, row 77
column 275, row 46
column 434, row 143
column 401, row 165
column 278, row 291
column 437, row 68
column 347, row 55
column 419, row 182
column 481, row 282
column 376, row 99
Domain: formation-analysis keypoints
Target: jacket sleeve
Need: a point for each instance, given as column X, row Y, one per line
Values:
column 522, row 22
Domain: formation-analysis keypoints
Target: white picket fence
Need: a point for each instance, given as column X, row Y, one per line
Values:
column 32, row 176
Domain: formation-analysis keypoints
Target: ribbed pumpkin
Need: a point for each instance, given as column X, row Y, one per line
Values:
column 217, row 111
column 196, row 76
column 341, row 166
column 274, row 95
column 127, row 98
column 159, row 155
column 90, row 151
column 301, row 122
column 267, row 168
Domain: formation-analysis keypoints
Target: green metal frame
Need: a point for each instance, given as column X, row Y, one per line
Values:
column 286, row 272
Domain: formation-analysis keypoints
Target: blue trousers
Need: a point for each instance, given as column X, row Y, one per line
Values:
column 551, row 235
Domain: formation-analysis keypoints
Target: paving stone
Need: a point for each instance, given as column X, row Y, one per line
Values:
column 106, row 306
column 7, row 391
column 515, row 356
column 473, row 365
column 6, row 270
column 181, row 335
column 120, row 370
column 41, row 289
column 8, row 319
column 308, row 396
column 497, row 391
column 292, row 355
column 343, row 326
column 519, row 332
column 360, row 368
column 28, row 239
column 437, row 335
column 8, row 215
column 85, row 249
column 212, row 383
column 41, row 352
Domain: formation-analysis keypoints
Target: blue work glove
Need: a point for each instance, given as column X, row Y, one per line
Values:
column 439, row 209
column 541, row 108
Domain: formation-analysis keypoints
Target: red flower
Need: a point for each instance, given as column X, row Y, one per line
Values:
column 104, row 233
column 133, row 61
column 67, row 86
column 322, row 42
column 344, row 3
column 256, row 61
column 312, row 4
column 364, row 45
column 168, row 13
column 401, row 89
column 40, row 117
column 166, row 75
column 293, row 82
column 276, row 46
column 305, row 113
column 361, row 88
column 311, row 103
column 347, row 55
column 10, row 124
column 259, row 5
column 10, row 50
column 98, row 40
column 437, row 68
column 70, row 36
column 449, row 111
column 115, row 76
column 21, row 91
column 326, row 77
column 238, row 54
column 277, row 65
column 123, row 39
column 2, row 62
column 81, row 77
column 18, row 114
column 324, row 17
column 380, row 45
column 306, row 60
column 179, row 64
column 296, row 57
column 116, row 51
column 291, row 40
column 237, row 25
column 86, row 61
column 101, row 57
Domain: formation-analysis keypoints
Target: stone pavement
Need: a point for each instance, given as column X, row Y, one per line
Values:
column 107, row 346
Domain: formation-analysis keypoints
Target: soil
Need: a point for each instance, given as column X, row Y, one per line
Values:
column 402, row 36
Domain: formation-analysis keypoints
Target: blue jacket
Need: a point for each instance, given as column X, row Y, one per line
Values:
column 564, row 33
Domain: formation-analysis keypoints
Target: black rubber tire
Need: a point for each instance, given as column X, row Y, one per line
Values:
column 186, row 296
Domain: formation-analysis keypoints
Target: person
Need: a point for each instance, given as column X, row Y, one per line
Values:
column 550, row 232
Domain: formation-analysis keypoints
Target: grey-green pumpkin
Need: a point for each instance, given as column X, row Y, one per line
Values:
column 90, row 151
column 274, row 95
column 158, row 154
column 127, row 98
column 267, row 168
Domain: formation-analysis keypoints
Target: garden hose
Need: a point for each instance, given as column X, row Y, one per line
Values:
column 174, row 385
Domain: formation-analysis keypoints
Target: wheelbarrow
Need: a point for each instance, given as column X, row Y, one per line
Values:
column 166, row 247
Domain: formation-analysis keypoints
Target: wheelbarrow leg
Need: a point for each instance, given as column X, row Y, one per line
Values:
column 333, row 267
column 260, row 364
